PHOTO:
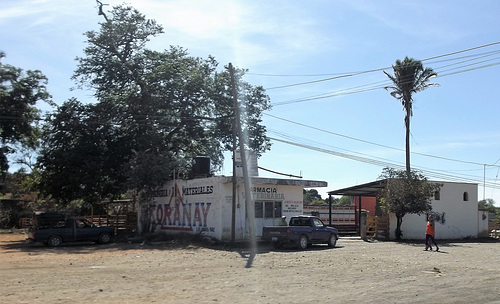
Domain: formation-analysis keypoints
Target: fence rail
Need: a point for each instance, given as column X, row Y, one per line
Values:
column 340, row 216
column 127, row 222
column 25, row 222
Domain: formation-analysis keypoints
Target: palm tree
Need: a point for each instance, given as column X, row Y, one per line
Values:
column 409, row 77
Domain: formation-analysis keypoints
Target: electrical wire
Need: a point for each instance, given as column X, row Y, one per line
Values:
column 373, row 143
column 349, row 74
column 383, row 84
column 431, row 173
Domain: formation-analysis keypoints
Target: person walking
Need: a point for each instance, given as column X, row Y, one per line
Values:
column 430, row 233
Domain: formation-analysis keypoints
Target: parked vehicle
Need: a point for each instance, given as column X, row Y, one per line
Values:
column 301, row 231
column 54, row 229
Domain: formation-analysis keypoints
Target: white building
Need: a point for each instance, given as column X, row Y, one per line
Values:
column 205, row 205
column 455, row 212
column 454, row 208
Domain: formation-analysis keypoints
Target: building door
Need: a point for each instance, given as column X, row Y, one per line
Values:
column 267, row 213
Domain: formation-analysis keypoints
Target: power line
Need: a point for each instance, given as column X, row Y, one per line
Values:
column 463, row 51
column 325, row 79
column 380, row 145
column 351, row 74
column 430, row 173
column 374, row 143
column 389, row 163
column 380, row 85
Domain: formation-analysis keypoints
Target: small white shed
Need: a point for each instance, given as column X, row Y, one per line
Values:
column 455, row 213
column 454, row 208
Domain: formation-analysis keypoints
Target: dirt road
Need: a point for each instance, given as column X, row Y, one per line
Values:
column 355, row 271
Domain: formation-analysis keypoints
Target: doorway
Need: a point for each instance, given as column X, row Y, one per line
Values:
column 267, row 213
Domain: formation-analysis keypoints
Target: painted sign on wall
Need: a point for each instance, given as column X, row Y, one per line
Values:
column 291, row 208
column 183, row 208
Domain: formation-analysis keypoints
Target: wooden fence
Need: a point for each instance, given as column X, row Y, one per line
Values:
column 494, row 228
column 122, row 222
column 25, row 222
column 377, row 227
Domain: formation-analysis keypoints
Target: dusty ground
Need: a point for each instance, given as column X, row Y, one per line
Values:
column 164, row 272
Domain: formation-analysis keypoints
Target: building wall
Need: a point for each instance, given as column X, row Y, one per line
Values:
column 204, row 206
column 188, row 207
column 367, row 203
column 455, row 217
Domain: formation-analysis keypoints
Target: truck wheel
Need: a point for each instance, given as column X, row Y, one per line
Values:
column 303, row 242
column 54, row 241
column 332, row 241
column 104, row 238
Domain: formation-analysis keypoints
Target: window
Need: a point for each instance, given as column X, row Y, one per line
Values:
column 259, row 211
column 79, row 224
column 277, row 210
column 437, row 195
column 466, row 196
column 268, row 209
column 318, row 223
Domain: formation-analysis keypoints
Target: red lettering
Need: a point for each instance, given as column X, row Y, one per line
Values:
column 197, row 215
column 205, row 213
column 168, row 213
column 186, row 214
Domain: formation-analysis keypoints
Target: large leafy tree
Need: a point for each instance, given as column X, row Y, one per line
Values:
column 19, row 94
column 409, row 77
column 82, row 154
column 310, row 196
column 19, row 185
column 155, row 111
column 406, row 194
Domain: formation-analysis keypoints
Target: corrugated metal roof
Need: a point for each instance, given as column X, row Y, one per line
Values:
column 368, row 189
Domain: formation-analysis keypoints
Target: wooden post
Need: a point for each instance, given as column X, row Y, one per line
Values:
column 359, row 215
column 330, row 209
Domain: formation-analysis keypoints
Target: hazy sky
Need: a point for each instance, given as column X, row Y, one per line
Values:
column 322, row 65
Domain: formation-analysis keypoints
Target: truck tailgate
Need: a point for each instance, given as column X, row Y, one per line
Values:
column 275, row 233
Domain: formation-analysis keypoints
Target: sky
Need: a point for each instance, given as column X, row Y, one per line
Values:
column 321, row 63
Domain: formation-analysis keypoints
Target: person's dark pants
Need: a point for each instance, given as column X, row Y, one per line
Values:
column 428, row 239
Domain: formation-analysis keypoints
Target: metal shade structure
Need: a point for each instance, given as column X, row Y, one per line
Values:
column 369, row 189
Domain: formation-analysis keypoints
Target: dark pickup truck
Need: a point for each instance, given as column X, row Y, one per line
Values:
column 53, row 230
column 301, row 231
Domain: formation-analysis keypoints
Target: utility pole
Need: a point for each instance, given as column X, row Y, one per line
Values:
column 234, row 179
column 249, row 207
column 484, row 182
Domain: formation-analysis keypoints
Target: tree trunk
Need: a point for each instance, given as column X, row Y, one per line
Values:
column 407, row 126
column 398, row 231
